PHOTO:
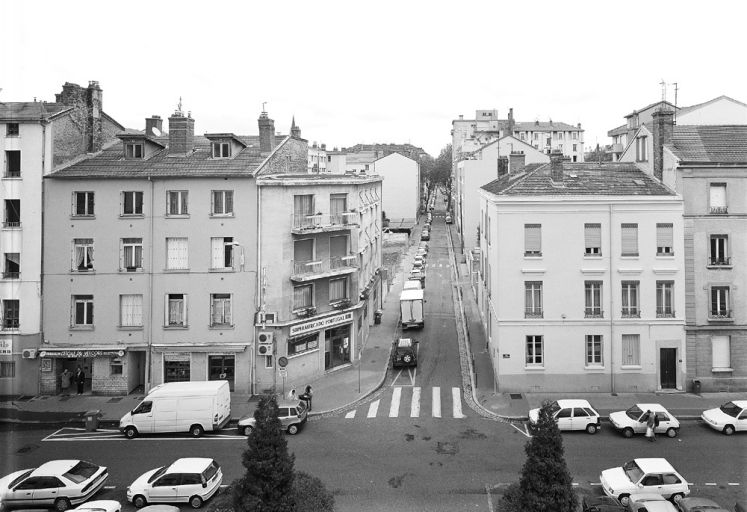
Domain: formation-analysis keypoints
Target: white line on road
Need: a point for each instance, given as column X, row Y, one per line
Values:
column 415, row 405
column 350, row 415
column 732, row 483
column 436, row 412
column 710, row 483
column 457, row 403
column 523, row 432
column 490, row 497
column 110, row 487
column 373, row 409
column 394, row 407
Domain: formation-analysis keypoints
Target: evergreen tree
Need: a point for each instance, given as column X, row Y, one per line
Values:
column 311, row 495
column 267, row 485
column 545, row 483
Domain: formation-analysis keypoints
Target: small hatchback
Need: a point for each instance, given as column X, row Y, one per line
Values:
column 292, row 416
column 633, row 421
column 572, row 415
column 729, row 418
column 653, row 475
column 191, row 480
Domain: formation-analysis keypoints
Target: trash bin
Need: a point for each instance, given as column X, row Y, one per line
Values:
column 696, row 386
column 377, row 316
column 92, row 420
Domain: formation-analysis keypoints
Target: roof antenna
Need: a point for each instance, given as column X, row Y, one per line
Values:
column 263, row 106
column 675, row 103
column 663, row 90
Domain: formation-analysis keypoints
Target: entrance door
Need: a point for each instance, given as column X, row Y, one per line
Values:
column 668, row 367
column 337, row 347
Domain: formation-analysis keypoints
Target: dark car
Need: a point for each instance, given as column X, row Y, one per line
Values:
column 404, row 352
column 601, row 504
column 425, row 235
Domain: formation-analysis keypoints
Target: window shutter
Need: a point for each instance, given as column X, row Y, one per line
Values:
column 227, row 310
column 533, row 238
column 593, row 236
column 720, row 352
column 630, row 239
column 121, row 255
column 229, row 201
column 213, row 310
column 718, row 196
column 184, row 312
column 183, row 253
column 166, row 310
column 664, row 237
column 217, row 252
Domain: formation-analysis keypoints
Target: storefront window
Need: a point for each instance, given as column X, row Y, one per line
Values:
column 303, row 344
column 176, row 368
column 222, row 367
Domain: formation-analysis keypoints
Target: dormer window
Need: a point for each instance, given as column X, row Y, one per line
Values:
column 221, row 150
column 134, row 151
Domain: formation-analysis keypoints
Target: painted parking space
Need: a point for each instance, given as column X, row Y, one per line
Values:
column 80, row 434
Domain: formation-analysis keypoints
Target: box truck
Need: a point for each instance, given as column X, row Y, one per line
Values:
column 411, row 308
column 193, row 407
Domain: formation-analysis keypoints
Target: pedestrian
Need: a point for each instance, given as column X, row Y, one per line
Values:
column 306, row 397
column 650, row 424
column 292, row 394
column 65, row 380
column 80, row 379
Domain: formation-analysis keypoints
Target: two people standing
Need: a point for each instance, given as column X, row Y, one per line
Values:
column 80, row 379
column 305, row 396
column 67, row 378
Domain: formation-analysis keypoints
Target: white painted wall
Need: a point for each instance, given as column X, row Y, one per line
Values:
column 720, row 111
column 401, row 186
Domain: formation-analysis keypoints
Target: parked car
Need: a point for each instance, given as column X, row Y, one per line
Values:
column 649, row 502
column 572, row 415
column 601, row 504
column 633, row 421
column 160, row 508
column 425, row 235
column 653, row 475
column 449, row 220
column 418, row 275
column 413, row 284
column 57, row 483
column 99, row 506
column 191, row 480
column 292, row 416
column 404, row 352
column 729, row 418
column 696, row 504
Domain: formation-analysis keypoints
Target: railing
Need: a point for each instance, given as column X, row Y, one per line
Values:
column 719, row 210
column 10, row 323
column 533, row 313
column 631, row 313
column 721, row 314
column 12, row 224
column 308, row 222
column 719, row 261
column 11, row 275
column 593, row 313
column 331, row 265
column 664, row 313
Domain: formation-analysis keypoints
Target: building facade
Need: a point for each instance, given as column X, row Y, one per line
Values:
column 400, row 189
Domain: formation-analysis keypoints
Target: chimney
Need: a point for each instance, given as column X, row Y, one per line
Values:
column 152, row 122
column 516, row 162
column 461, row 117
column 94, row 108
column 663, row 121
column 72, row 94
column 511, row 123
column 324, row 147
column 556, row 166
column 181, row 134
column 266, row 133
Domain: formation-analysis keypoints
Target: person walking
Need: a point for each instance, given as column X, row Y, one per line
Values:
column 650, row 424
column 65, row 379
column 80, row 379
column 306, row 397
column 292, row 394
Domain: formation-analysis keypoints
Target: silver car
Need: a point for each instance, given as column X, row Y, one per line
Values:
column 292, row 416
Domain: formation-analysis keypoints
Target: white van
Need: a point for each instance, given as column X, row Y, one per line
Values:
column 411, row 309
column 192, row 407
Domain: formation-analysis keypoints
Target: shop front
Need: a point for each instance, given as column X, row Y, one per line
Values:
column 183, row 363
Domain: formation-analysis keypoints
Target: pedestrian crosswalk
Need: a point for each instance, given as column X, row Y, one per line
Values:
column 450, row 406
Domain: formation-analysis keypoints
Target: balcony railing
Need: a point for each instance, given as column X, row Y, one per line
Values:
column 10, row 324
column 12, row 224
column 533, row 313
column 593, row 313
column 316, row 269
column 631, row 313
column 303, row 223
column 664, row 313
column 719, row 261
column 719, row 210
column 723, row 315
column 11, row 275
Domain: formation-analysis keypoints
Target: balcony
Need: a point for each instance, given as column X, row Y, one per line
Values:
column 593, row 313
column 719, row 210
column 12, row 224
column 615, row 148
column 721, row 315
column 719, row 261
column 318, row 269
column 302, row 224
column 11, row 275
column 533, row 313
column 664, row 313
column 631, row 313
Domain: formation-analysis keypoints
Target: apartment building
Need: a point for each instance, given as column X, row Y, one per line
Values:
column 582, row 282
column 401, row 191
column 318, row 158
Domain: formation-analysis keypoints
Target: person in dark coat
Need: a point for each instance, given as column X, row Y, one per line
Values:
column 306, row 397
column 80, row 379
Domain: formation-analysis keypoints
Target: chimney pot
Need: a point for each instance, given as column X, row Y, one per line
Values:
column 266, row 133
column 556, row 166
column 181, row 134
column 663, row 126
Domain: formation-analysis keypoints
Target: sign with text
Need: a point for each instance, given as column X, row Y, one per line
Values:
column 321, row 323
column 6, row 347
column 81, row 353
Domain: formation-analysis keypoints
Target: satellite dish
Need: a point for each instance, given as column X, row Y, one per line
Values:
column 155, row 131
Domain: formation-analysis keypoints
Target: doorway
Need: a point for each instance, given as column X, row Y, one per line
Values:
column 336, row 347
column 668, row 368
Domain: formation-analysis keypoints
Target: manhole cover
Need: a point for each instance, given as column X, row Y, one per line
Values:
column 515, row 396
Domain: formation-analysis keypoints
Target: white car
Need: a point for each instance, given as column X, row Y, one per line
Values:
column 99, row 506
column 729, row 418
column 644, row 475
column 190, row 480
column 572, row 415
column 649, row 502
column 633, row 421
column 58, row 483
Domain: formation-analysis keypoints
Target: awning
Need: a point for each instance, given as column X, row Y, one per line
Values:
column 202, row 347
column 75, row 352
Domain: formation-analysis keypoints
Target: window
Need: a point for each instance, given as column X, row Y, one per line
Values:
column 221, row 150
column 338, row 289
column 536, row 136
column 664, row 240
column 176, row 202
column 12, row 265
column 12, row 213
column 629, row 234
column 131, row 254
column 534, row 351
column 719, row 303
column 522, row 136
column 176, row 310
column 11, row 314
column 116, row 366
column 13, row 164
column 222, row 202
column 533, row 299
column 12, row 130
column 593, row 298
column 303, row 296
column 640, row 149
column 303, row 344
column 574, row 135
column 593, row 350
column 131, row 310
column 664, row 299
column 221, row 249
column 630, row 299
column 593, row 239
column 177, row 254
column 303, row 205
column 82, row 310
column 575, row 146
column 7, row 369
column 719, row 250
column 132, row 203
column 721, row 352
column 631, row 350
column 133, row 151
column 176, row 368
column 338, row 203
column 220, row 309
column 82, row 204
column 532, row 239
column 717, row 198
column 82, row 254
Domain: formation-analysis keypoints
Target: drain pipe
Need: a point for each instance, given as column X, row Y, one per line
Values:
column 611, row 313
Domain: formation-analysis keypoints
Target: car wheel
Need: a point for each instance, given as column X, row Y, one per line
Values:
column 61, row 504
column 247, row 430
column 728, row 430
column 293, row 429
column 624, row 499
column 139, row 501
column 407, row 358
column 677, row 497
column 628, row 432
column 196, row 430
column 130, row 432
column 591, row 428
column 671, row 432
column 195, row 502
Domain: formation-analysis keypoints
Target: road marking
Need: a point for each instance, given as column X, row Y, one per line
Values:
column 732, row 483
column 523, row 432
column 394, row 407
column 595, row 483
column 415, row 404
column 710, row 483
column 351, row 414
column 436, row 412
column 457, row 405
column 110, row 487
column 373, row 409
column 490, row 497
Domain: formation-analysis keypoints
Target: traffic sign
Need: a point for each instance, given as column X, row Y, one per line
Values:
column 283, row 371
column 282, row 361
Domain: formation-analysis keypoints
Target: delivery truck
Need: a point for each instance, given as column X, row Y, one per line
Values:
column 411, row 308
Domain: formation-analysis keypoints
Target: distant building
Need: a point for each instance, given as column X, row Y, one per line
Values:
column 359, row 159
column 400, row 190
column 318, row 159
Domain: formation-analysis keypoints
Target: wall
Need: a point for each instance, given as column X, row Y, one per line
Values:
column 291, row 157
column 401, row 186
column 721, row 111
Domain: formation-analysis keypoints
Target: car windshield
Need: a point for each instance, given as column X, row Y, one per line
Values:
column 632, row 471
column 211, row 470
column 159, row 472
column 554, row 407
column 731, row 409
column 81, row 471
column 634, row 412
column 19, row 478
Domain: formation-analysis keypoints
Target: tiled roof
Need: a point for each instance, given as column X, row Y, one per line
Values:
column 656, row 103
column 713, row 144
column 29, row 110
column 618, row 131
column 111, row 162
column 542, row 126
column 580, row 179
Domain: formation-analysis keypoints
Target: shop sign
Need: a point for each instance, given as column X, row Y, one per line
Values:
column 81, row 353
column 321, row 323
column 46, row 364
column 6, row 347
column 176, row 356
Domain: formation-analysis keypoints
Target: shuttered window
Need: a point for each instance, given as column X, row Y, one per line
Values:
column 721, row 352
column 175, row 311
column 131, row 254
column 303, row 296
column 221, row 251
column 718, row 198
column 664, row 240
column 532, row 239
column 593, row 239
column 338, row 289
column 177, row 256
column 629, row 233
column 220, row 309
column 631, row 350
column 131, row 310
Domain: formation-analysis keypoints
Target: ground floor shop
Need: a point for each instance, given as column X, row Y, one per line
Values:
column 19, row 367
column 179, row 363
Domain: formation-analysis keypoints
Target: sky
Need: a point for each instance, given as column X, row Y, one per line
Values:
column 379, row 71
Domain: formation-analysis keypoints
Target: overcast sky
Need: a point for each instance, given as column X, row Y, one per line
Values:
column 379, row 71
